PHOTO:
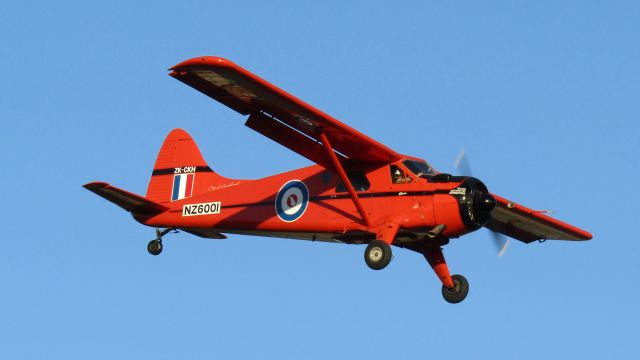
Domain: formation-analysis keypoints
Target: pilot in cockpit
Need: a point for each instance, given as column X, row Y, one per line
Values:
column 398, row 176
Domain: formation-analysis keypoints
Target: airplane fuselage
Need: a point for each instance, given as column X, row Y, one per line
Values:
column 310, row 203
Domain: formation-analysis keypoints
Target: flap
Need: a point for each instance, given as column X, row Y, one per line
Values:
column 282, row 113
column 526, row 225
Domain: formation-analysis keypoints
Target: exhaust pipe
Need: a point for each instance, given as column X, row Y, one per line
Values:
column 437, row 230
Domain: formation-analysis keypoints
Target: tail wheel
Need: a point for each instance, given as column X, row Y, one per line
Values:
column 377, row 255
column 154, row 247
column 459, row 290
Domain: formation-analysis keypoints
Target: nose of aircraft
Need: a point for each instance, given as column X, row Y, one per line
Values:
column 479, row 202
column 486, row 203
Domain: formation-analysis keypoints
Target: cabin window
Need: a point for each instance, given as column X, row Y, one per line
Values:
column 420, row 168
column 358, row 180
column 398, row 176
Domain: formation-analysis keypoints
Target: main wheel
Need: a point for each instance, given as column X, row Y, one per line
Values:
column 154, row 247
column 459, row 290
column 377, row 255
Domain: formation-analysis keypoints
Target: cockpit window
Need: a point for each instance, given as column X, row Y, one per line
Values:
column 420, row 168
column 398, row 176
column 358, row 180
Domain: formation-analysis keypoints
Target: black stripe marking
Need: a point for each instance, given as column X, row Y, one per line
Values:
column 169, row 171
column 346, row 196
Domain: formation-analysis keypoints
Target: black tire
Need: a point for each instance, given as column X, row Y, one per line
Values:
column 459, row 290
column 377, row 255
column 154, row 247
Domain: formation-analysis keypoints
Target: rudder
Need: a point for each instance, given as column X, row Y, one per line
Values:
column 180, row 170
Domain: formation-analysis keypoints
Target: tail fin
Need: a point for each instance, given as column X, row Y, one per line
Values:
column 180, row 171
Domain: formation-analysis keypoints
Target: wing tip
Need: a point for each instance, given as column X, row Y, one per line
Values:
column 586, row 236
column 95, row 185
column 578, row 234
column 213, row 61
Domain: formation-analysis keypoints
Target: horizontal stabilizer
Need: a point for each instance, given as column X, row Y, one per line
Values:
column 131, row 202
column 204, row 233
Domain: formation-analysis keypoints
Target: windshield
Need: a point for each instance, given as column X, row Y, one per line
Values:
column 420, row 168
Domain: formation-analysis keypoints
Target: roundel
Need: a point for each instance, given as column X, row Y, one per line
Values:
column 292, row 200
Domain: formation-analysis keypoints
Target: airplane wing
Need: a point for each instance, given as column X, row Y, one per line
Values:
column 281, row 116
column 526, row 225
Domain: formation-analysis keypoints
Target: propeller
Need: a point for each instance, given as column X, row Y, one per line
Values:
column 500, row 241
column 463, row 167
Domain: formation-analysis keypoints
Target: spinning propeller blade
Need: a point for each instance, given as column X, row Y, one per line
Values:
column 501, row 242
column 462, row 164
column 464, row 168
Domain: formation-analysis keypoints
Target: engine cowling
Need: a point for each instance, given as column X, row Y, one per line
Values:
column 475, row 202
column 464, row 208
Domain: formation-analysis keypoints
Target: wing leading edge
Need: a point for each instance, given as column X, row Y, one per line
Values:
column 281, row 116
column 526, row 225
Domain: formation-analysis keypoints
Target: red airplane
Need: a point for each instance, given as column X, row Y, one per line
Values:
column 359, row 191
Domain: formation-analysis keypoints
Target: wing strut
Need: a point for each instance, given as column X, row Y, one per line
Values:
column 345, row 179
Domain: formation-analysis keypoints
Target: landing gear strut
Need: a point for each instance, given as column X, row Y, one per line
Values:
column 155, row 246
column 454, row 288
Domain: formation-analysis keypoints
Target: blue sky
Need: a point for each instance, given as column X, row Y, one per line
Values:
column 544, row 96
